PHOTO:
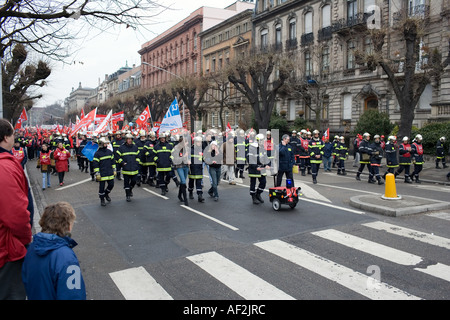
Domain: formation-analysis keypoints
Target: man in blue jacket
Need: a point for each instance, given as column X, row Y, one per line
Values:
column 286, row 160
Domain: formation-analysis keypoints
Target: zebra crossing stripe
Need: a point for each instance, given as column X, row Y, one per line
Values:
column 410, row 233
column 370, row 247
column 138, row 284
column 439, row 270
column 358, row 282
column 238, row 279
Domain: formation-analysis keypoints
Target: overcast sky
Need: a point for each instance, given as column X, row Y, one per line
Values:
column 108, row 52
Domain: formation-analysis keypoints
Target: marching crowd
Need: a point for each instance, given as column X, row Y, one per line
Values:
column 142, row 157
column 147, row 158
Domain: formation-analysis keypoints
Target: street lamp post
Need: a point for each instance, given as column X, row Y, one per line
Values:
column 173, row 74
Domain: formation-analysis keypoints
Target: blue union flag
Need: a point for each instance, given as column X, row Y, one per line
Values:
column 172, row 119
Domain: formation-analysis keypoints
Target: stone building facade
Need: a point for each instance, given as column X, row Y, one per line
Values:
column 322, row 36
column 229, row 40
column 177, row 51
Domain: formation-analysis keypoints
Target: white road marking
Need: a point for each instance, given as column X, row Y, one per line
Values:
column 210, row 218
column 358, row 282
column 156, row 194
column 138, row 284
column 240, row 280
column 369, row 247
column 410, row 233
column 74, row 184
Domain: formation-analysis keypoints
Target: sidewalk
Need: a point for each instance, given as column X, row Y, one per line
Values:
column 406, row 205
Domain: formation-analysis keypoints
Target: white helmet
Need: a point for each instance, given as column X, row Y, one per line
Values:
column 392, row 138
column 377, row 136
column 442, row 139
column 405, row 139
column 419, row 137
column 259, row 136
column 366, row 134
column 316, row 131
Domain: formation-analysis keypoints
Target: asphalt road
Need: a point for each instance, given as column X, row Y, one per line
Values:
column 156, row 248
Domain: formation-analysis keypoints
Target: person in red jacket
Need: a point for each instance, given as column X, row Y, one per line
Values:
column 15, row 224
column 61, row 156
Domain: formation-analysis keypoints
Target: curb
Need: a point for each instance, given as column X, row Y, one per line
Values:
column 408, row 205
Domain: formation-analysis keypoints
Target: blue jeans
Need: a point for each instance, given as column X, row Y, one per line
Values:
column 183, row 174
column 327, row 162
column 46, row 176
column 215, row 178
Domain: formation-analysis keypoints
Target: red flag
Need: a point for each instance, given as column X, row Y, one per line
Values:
column 145, row 115
column 326, row 135
column 86, row 121
column 23, row 117
column 228, row 127
column 82, row 113
column 119, row 116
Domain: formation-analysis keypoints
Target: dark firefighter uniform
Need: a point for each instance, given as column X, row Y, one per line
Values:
column 257, row 161
column 117, row 142
column 404, row 159
column 417, row 154
column 364, row 151
column 391, row 156
column 196, row 170
column 149, row 164
column 341, row 155
column 105, row 170
column 163, row 159
column 128, row 161
column 316, row 153
column 375, row 160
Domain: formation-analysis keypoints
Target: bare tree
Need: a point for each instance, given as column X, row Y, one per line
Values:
column 259, row 78
column 417, row 68
column 219, row 92
column 49, row 27
column 191, row 90
column 313, row 81
column 18, row 80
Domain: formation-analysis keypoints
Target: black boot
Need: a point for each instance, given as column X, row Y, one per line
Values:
column 107, row 197
column 303, row 173
column 200, row 198
column 150, row 182
column 191, row 194
column 255, row 201
column 417, row 180
column 128, row 196
column 408, row 179
column 119, row 177
column 380, row 182
column 102, row 202
column 183, row 194
column 180, row 193
column 258, row 197
column 314, row 180
column 358, row 176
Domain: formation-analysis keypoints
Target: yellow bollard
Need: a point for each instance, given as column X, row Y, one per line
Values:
column 390, row 192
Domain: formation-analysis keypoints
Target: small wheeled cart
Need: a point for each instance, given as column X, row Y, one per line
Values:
column 284, row 196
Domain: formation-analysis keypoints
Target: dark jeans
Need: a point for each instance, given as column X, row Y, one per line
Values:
column 11, row 285
column 288, row 176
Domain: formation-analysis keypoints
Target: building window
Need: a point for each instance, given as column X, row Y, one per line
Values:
column 278, row 36
column 350, row 55
column 292, row 29
column 264, row 39
column 308, row 63
column 326, row 16
column 308, row 22
column 352, row 9
column 325, row 59
column 292, row 108
column 347, row 111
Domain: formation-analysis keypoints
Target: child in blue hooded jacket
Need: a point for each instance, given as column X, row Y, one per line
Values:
column 51, row 270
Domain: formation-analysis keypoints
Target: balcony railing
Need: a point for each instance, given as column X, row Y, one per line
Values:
column 325, row 33
column 358, row 20
column 307, row 38
column 291, row 44
column 420, row 11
